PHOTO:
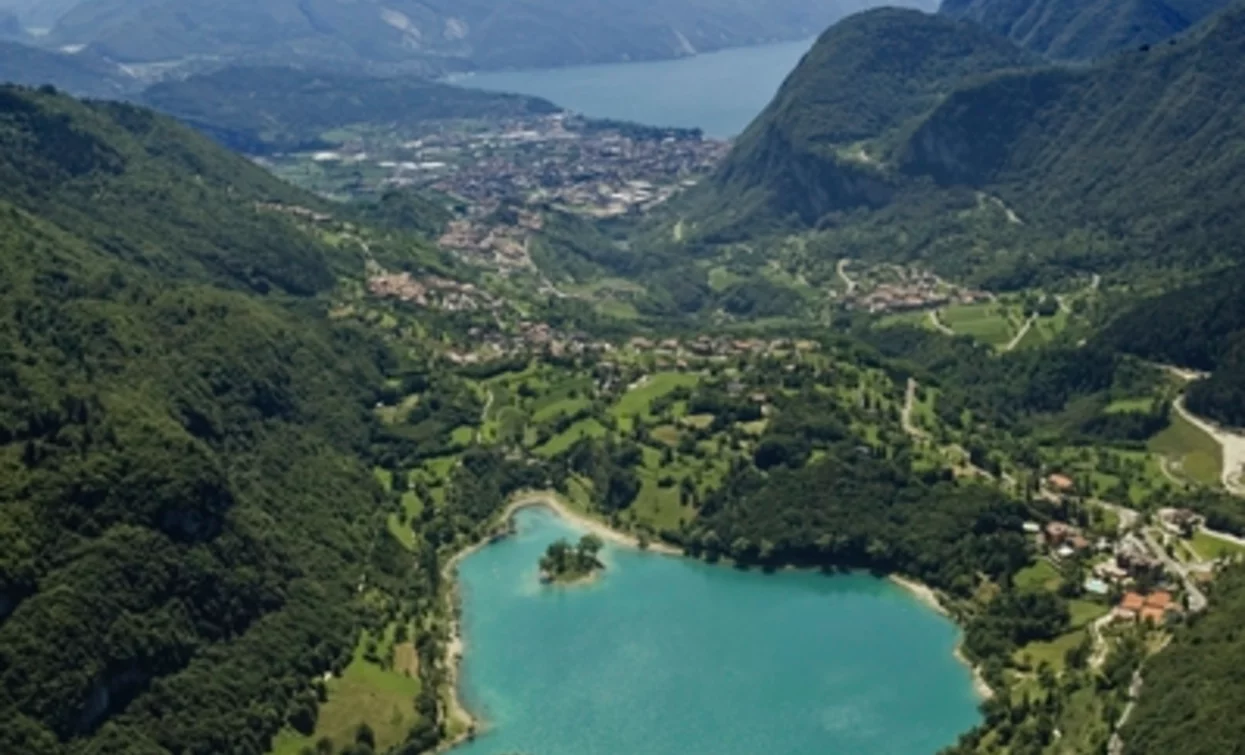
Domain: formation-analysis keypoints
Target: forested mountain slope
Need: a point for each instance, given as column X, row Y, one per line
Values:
column 273, row 108
column 865, row 77
column 183, row 514
column 1200, row 327
column 1083, row 29
column 1194, row 689
column 85, row 75
column 1147, row 147
column 484, row 33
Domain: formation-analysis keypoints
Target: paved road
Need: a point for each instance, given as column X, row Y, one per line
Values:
column 1197, row 599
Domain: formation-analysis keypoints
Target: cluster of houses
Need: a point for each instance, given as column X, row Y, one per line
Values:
column 497, row 246
column 432, row 292
column 1120, row 565
column 529, row 337
column 910, row 289
column 554, row 159
column 1156, row 608
column 708, row 346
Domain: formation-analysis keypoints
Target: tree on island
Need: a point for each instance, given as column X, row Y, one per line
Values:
column 563, row 562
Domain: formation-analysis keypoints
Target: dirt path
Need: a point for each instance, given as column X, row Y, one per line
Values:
column 1024, row 331
column 1101, row 648
column 939, row 325
column 488, row 404
column 905, row 415
column 841, row 269
column 1232, row 443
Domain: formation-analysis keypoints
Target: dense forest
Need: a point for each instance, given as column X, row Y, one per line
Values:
column 1193, row 689
column 852, row 510
column 1062, row 147
column 183, row 510
column 1200, row 327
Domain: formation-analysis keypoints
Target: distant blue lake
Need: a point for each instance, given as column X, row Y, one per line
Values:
column 669, row 655
column 718, row 92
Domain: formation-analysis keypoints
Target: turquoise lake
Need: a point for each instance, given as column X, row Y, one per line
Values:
column 670, row 655
column 718, row 92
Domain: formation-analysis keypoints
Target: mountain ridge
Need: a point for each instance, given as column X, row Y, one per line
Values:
column 1076, row 30
column 805, row 154
column 484, row 34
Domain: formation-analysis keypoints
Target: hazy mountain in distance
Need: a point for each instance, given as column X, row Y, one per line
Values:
column 10, row 26
column 268, row 108
column 37, row 14
column 1084, row 29
column 83, row 74
column 489, row 34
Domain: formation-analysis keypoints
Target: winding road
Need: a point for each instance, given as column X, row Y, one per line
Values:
column 841, row 269
column 905, row 415
column 1020, row 336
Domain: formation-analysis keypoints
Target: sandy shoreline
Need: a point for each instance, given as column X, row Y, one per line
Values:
column 929, row 597
column 456, row 647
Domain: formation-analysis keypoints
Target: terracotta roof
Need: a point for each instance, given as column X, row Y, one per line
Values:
column 1132, row 602
column 1152, row 614
column 1062, row 482
column 1160, row 599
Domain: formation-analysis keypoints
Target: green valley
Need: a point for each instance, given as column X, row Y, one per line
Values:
column 946, row 312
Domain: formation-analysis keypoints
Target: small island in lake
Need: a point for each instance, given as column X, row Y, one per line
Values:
column 566, row 564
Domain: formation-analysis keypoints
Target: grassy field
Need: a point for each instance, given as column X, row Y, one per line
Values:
column 1209, row 547
column 365, row 693
column 1196, row 454
column 1124, row 405
column 721, row 279
column 638, row 400
column 587, row 428
column 1085, row 611
column 657, row 506
column 985, row 322
column 1038, row 577
column 1044, row 330
column 1052, row 652
column 916, row 319
column 551, row 411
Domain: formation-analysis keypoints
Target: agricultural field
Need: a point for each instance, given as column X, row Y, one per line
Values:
column 1193, row 454
column 365, row 693
column 637, row 402
column 1208, row 547
column 992, row 323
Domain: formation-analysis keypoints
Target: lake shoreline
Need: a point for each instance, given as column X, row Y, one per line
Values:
column 456, row 647
column 929, row 597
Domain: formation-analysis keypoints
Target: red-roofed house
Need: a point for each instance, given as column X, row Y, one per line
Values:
column 1061, row 483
